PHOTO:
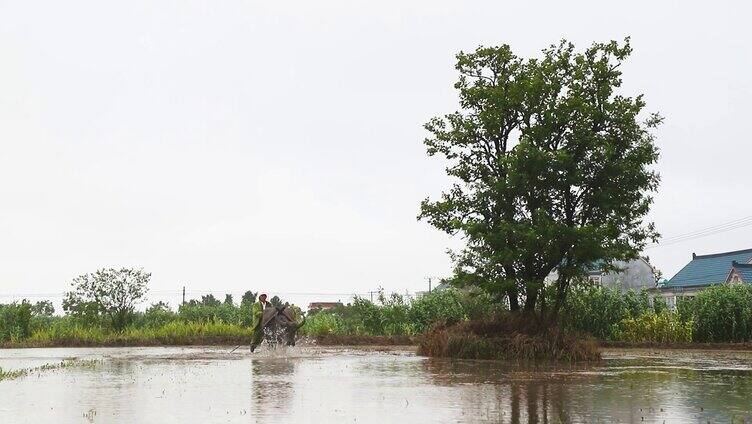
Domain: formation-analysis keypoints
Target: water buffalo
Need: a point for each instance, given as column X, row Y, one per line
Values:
column 280, row 326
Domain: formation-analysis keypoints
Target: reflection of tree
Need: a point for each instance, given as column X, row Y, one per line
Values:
column 535, row 395
column 508, row 392
column 272, row 387
column 519, row 393
column 515, row 404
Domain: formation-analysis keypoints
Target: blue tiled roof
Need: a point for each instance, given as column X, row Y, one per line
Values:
column 708, row 269
column 744, row 271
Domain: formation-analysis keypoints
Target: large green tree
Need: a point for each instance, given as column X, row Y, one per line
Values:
column 551, row 168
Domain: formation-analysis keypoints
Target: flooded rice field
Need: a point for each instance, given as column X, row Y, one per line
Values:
column 370, row 385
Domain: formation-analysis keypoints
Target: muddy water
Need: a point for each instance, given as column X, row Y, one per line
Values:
column 319, row 385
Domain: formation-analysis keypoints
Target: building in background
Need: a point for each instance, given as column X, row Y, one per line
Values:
column 636, row 274
column 706, row 270
column 323, row 306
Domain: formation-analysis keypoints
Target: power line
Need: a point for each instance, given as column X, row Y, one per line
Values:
column 195, row 292
column 744, row 220
column 709, row 231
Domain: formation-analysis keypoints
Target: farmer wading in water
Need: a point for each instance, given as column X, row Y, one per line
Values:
column 257, row 313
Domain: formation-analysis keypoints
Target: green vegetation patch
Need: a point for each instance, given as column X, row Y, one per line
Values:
column 14, row 374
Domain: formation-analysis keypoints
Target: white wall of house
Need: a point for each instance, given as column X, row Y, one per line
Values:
column 636, row 274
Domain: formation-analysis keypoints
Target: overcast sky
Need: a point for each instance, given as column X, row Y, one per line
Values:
column 277, row 145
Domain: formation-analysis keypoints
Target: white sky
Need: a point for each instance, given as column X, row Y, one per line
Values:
column 278, row 145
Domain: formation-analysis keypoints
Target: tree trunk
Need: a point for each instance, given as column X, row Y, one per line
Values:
column 543, row 304
column 531, row 298
column 562, row 283
column 514, row 303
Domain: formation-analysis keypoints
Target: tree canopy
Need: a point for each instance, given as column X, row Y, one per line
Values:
column 551, row 168
column 111, row 292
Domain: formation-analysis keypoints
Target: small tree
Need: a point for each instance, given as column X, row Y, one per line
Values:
column 552, row 169
column 276, row 302
column 43, row 308
column 15, row 321
column 228, row 300
column 210, row 300
column 112, row 293
column 157, row 315
column 249, row 298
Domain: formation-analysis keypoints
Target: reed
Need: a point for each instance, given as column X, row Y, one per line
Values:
column 176, row 333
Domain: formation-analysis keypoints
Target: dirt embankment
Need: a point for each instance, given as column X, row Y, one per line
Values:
column 463, row 340
column 344, row 340
column 125, row 342
column 323, row 340
column 680, row 346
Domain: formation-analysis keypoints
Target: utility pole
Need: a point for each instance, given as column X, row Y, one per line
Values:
column 183, row 295
column 430, row 282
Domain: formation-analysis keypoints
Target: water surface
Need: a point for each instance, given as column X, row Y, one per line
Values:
column 315, row 384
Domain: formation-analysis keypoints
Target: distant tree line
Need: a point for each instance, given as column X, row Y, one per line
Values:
column 107, row 299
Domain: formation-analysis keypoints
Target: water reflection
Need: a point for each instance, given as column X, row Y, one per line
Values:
column 344, row 385
column 272, row 386
column 612, row 391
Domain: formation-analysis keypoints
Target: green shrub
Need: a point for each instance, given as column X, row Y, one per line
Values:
column 636, row 303
column 659, row 304
column 478, row 304
column 723, row 313
column 685, row 308
column 363, row 317
column 323, row 323
column 596, row 309
column 15, row 321
column 439, row 306
column 663, row 327
column 395, row 316
column 157, row 315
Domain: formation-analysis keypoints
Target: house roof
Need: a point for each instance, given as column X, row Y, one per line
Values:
column 744, row 271
column 705, row 270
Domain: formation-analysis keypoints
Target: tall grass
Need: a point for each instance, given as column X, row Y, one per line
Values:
column 397, row 315
column 662, row 327
column 172, row 333
column 596, row 310
column 723, row 313
column 15, row 321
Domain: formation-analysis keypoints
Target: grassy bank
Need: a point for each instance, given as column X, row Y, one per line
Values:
column 720, row 316
column 171, row 334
